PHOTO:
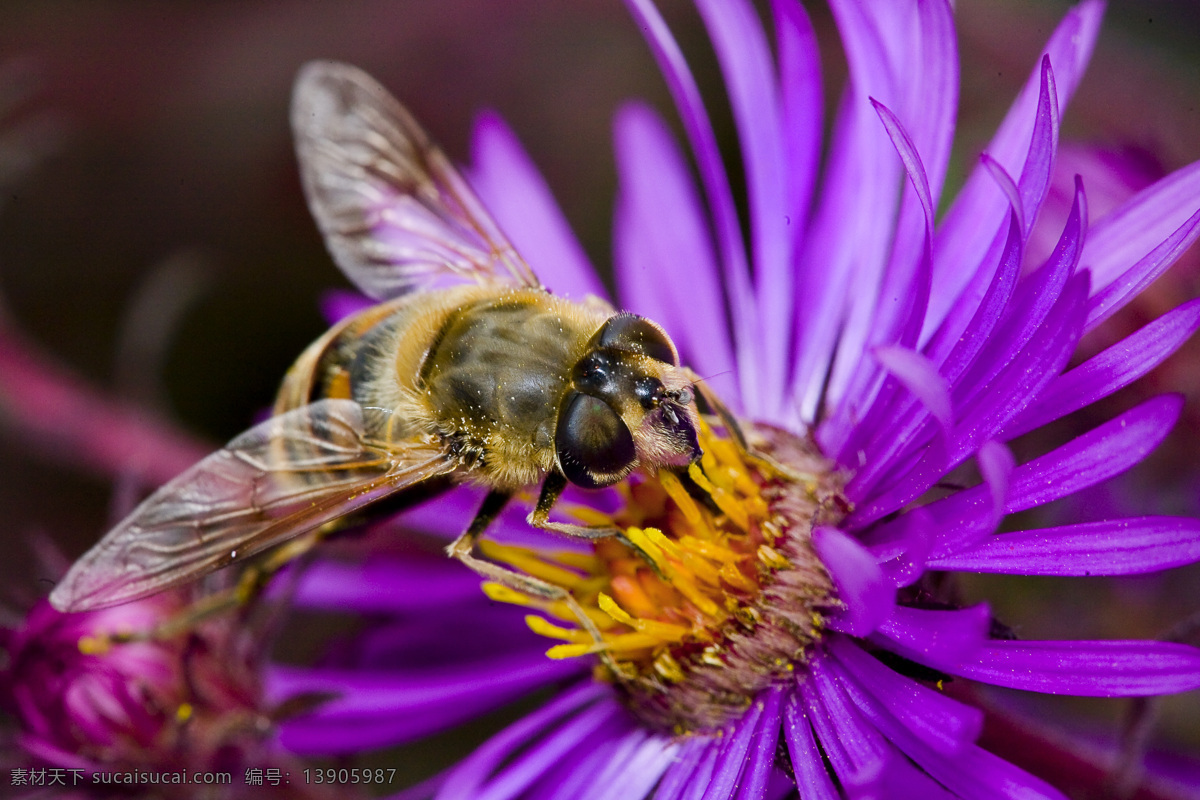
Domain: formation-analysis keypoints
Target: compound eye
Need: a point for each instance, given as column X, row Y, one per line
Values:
column 594, row 446
column 635, row 334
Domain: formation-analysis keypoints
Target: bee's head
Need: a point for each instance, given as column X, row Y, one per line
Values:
column 630, row 406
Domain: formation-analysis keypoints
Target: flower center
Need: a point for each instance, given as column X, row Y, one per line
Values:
column 714, row 591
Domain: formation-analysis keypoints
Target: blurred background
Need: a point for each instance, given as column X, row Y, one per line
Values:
column 155, row 243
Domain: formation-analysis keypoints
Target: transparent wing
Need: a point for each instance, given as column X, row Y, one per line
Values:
column 394, row 212
column 281, row 478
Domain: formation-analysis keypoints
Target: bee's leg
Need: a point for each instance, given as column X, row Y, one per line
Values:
column 552, row 489
column 734, row 429
column 723, row 413
column 463, row 549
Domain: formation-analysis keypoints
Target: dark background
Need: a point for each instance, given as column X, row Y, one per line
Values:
column 164, row 158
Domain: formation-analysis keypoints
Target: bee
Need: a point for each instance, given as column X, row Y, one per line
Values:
column 467, row 371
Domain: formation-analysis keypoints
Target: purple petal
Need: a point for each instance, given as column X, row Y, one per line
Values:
column 902, row 546
column 385, row 585
column 517, row 196
column 337, row 304
column 996, row 464
column 856, row 751
column 868, row 596
column 695, row 754
column 802, row 107
column 920, row 376
column 967, row 771
column 807, row 760
column 846, row 245
column 1034, row 300
column 471, row 774
column 884, row 431
column 1119, row 245
column 665, row 267
column 1113, row 369
column 944, row 723
column 730, row 757
column 1101, row 453
column 1003, row 398
column 1114, row 547
column 1098, row 454
column 1114, row 296
column 543, row 755
column 753, row 90
column 380, row 708
column 964, row 236
column 633, row 771
column 726, row 228
column 1009, row 187
column 896, row 317
column 936, row 638
column 1086, row 668
column 760, row 765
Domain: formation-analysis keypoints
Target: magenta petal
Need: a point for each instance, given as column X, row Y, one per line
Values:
column 1087, row 668
column 802, row 107
column 868, row 596
column 517, row 196
column 996, row 464
column 902, row 546
column 542, row 756
column 936, row 638
column 944, row 723
column 665, row 267
column 1114, row 547
column 1112, row 297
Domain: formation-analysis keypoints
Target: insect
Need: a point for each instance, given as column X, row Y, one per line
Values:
column 467, row 371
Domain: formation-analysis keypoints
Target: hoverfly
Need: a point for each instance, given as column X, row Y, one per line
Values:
column 467, row 371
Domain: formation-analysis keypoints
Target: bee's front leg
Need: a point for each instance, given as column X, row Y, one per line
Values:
column 463, row 549
column 552, row 489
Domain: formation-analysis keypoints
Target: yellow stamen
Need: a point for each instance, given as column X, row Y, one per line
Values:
column 529, row 562
column 683, row 500
column 543, row 627
column 729, row 505
column 94, row 645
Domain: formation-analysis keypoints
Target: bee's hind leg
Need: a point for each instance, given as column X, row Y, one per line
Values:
column 463, row 549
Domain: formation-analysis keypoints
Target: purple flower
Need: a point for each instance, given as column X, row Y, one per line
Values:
column 781, row 621
column 85, row 700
